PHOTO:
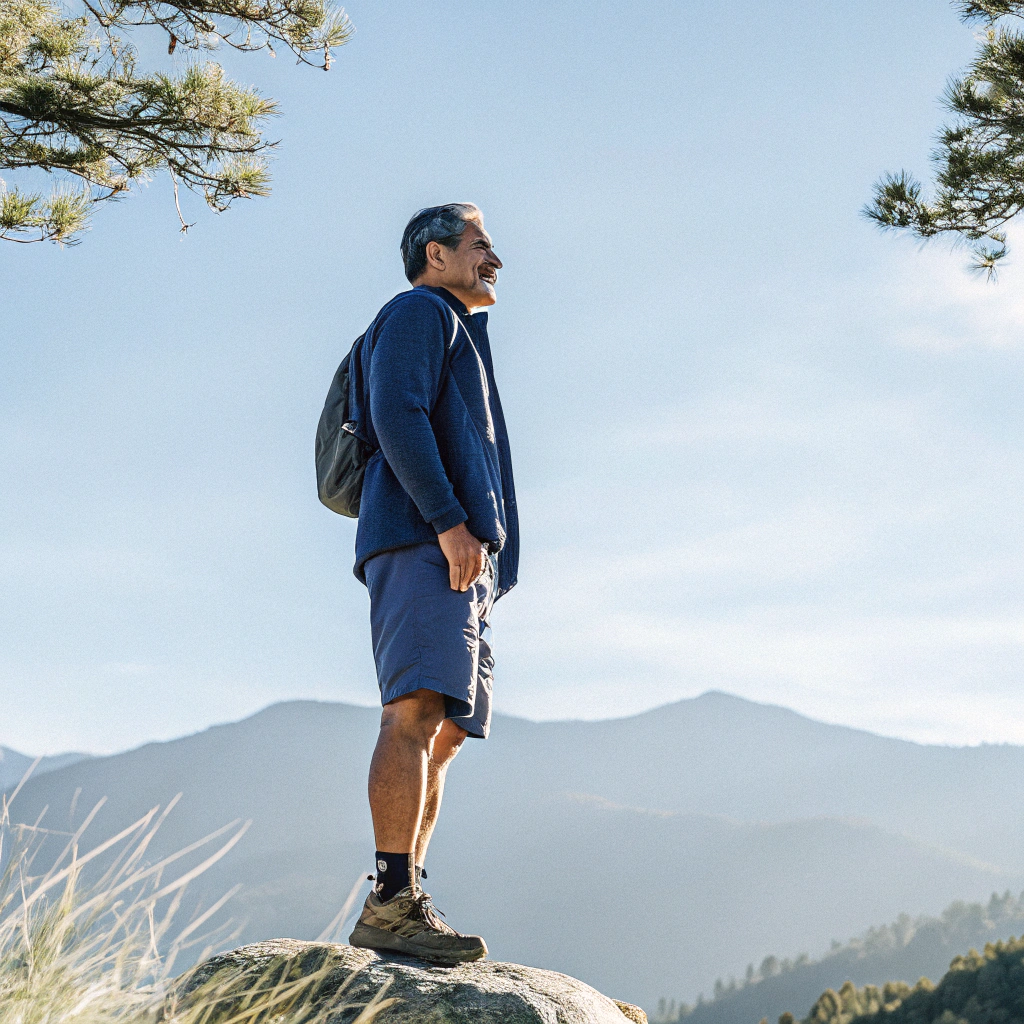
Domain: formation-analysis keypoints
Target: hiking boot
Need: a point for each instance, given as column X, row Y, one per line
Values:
column 408, row 923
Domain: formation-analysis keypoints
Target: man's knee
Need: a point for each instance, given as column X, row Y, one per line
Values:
column 419, row 714
column 447, row 742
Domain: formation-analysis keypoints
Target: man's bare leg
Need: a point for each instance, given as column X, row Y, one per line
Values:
column 445, row 747
column 399, row 768
column 415, row 747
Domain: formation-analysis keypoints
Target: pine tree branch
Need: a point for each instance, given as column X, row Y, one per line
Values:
column 989, row 10
column 979, row 158
column 304, row 26
column 72, row 101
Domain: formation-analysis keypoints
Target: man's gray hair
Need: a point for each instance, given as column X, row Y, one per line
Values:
column 443, row 224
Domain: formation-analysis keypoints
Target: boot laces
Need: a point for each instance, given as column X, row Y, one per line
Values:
column 427, row 912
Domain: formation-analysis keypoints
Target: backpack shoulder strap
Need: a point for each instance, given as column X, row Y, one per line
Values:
column 446, row 311
column 359, row 362
column 449, row 314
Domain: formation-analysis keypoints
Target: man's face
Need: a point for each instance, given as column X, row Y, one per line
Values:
column 471, row 270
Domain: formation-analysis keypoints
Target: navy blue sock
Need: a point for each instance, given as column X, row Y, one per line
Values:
column 393, row 874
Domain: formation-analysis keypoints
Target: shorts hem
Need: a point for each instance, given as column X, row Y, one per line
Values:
column 469, row 732
column 454, row 706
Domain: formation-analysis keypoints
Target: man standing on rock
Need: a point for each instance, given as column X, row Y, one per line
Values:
column 437, row 544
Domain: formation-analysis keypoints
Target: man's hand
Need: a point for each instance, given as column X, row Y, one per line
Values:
column 466, row 556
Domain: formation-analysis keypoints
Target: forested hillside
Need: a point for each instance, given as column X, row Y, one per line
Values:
column 907, row 949
column 979, row 988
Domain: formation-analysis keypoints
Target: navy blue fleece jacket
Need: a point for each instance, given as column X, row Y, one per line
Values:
column 423, row 383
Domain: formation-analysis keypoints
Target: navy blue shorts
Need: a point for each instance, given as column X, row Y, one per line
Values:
column 427, row 636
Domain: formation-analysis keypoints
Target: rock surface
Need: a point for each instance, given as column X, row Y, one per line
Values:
column 345, row 979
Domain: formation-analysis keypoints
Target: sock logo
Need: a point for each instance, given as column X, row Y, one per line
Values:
column 382, row 866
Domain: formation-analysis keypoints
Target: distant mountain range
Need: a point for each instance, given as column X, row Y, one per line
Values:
column 13, row 765
column 646, row 855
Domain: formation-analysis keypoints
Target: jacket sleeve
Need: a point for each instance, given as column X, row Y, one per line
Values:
column 405, row 377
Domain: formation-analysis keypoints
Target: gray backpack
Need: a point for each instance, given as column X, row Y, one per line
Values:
column 341, row 451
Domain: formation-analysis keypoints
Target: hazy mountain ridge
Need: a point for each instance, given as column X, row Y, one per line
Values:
column 14, row 764
column 702, row 835
column 757, row 762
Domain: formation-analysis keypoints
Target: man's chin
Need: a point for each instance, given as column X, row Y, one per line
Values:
column 485, row 296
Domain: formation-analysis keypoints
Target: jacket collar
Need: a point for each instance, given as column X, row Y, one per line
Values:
column 457, row 304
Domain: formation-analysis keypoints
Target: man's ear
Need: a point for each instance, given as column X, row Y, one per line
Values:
column 435, row 255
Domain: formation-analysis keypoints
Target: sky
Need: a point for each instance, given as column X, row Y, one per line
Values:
column 760, row 446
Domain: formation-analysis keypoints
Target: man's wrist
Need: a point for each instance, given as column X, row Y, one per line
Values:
column 449, row 519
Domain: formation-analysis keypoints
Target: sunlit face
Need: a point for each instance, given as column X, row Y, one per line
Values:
column 471, row 270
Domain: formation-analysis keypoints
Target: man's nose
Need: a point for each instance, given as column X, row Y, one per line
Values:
column 492, row 257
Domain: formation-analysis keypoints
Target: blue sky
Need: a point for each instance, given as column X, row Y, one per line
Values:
column 759, row 446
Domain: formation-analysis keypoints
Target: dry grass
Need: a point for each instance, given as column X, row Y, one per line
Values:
column 93, row 937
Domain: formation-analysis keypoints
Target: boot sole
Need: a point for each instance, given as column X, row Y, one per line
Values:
column 367, row 937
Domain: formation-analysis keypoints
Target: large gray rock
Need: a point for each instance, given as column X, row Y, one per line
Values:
column 343, row 980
